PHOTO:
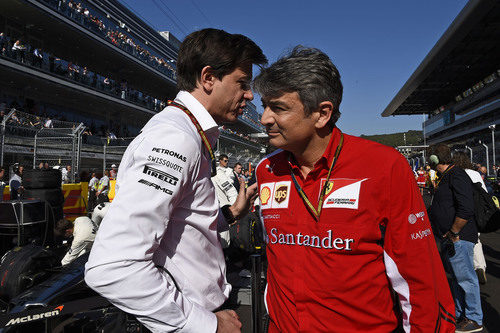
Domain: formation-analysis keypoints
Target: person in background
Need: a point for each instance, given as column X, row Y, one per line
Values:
column 421, row 179
column 92, row 198
column 103, row 188
column 15, row 182
column 452, row 217
column 113, row 172
column 2, row 182
column 461, row 160
column 236, row 175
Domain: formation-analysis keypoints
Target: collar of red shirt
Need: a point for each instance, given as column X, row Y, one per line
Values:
column 325, row 160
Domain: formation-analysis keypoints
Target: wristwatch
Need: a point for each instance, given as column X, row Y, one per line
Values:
column 228, row 215
column 454, row 234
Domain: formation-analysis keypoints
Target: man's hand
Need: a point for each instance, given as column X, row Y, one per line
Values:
column 245, row 199
column 451, row 237
column 228, row 321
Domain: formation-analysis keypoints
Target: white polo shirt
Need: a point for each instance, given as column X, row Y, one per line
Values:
column 164, row 217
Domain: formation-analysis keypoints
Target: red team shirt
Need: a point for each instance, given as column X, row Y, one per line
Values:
column 373, row 236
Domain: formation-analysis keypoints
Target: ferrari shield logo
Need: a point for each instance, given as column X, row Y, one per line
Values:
column 329, row 187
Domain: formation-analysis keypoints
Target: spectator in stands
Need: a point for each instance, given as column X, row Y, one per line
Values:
column 2, row 183
column 40, row 166
column 36, row 123
column 19, row 51
column 107, row 83
column 15, row 182
column 3, row 43
column 48, row 123
column 37, row 57
column 14, row 120
column 85, row 75
column 92, row 199
column 103, row 188
column 46, row 166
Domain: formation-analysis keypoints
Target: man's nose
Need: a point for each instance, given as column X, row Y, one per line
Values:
column 266, row 118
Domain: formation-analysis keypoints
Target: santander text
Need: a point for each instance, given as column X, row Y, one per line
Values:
column 327, row 242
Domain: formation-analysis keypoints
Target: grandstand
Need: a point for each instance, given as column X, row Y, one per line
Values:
column 457, row 85
column 93, row 65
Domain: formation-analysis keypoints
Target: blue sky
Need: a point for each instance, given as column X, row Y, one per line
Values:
column 376, row 45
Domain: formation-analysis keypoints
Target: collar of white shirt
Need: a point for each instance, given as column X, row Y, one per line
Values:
column 197, row 109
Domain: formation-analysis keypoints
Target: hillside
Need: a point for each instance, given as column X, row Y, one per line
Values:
column 413, row 138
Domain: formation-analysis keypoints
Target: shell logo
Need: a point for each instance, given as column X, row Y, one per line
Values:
column 265, row 194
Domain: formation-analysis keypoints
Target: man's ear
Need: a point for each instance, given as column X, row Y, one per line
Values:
column 325, row 111
column 207, row 79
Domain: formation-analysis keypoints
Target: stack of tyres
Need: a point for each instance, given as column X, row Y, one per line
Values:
column 45, row 185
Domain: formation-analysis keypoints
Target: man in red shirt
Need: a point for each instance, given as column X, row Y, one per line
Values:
column 350, row 247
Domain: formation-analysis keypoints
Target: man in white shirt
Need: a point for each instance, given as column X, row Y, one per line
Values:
column 84, row 232
column 157, row 253
column 225, row 191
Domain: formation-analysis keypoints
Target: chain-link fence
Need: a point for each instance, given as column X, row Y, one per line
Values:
column 49, row 140
column 61, row 146
column 113, row 151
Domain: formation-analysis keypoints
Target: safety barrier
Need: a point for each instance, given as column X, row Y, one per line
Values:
column 75, row 198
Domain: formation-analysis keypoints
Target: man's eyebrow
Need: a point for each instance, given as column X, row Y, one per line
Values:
column 275, row 103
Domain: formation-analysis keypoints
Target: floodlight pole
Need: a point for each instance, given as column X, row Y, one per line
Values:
column 470, row 149
column 487, row 159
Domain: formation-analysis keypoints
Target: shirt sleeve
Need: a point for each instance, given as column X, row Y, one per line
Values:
column 412, row 262
column 121, row 266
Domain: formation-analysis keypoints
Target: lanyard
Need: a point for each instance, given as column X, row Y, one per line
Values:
column 317, row 211
column 444, row 173
column 200, row 131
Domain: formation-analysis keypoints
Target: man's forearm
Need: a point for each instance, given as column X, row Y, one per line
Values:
column 458, row 224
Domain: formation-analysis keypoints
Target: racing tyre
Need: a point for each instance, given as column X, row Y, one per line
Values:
column 37, row 179
column 54, row 196
column 22, row 267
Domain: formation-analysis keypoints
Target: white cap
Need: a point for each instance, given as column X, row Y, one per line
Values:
column 113, row 165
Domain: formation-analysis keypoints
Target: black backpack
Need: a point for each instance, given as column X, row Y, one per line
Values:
column 486, row 213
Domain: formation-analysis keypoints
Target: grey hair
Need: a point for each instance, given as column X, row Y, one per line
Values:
column 307, row 71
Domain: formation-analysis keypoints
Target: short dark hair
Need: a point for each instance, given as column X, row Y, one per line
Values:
column 236, row 164
column 223, row 156
column 222, row 51
column 443, row 153
column 307, row 71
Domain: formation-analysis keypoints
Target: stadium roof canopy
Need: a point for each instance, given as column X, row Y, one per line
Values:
column 467, row 52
